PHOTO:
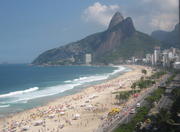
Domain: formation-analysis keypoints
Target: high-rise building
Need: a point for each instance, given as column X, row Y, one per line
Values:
column 152, row 60
column 133, row 59
column 88, row 59
column 166, row 62
column 176, row 65
column 148, row 58
column 157, row 53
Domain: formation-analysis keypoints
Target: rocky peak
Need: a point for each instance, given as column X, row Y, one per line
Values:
column 128, row 26
column 117, row 18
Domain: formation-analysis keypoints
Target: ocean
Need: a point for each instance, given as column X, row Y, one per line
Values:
column 23, row 86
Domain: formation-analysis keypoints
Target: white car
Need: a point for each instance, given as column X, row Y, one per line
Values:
column 133, row 111
column 138, row 105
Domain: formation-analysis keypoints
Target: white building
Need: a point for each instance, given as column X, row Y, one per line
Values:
column 165, row 60
column 88, row 59
column 170, row 55
column 177, row 65
column 133, row 59
column 174, row 51
column 148, row 58
column 157, row 53
column 152, row 60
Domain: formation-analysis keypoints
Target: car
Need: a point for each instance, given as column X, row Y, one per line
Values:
column 133, row 111
column 138, row 105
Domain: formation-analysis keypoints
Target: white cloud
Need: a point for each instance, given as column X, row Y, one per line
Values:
column 148, row 15
column 164, row 21
column 163, row 4
column 99, row 13
column 166, row 15
column 158, row 15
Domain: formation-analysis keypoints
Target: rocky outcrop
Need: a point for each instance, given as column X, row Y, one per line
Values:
column 117, row 18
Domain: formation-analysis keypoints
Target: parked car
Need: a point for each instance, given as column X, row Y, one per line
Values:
column 133, row 111
column 138, row 105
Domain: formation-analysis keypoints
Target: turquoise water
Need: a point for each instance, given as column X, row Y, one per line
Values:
column 23, row 86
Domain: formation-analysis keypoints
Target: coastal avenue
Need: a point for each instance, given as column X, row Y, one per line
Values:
column 126, row 115
column 166, row 101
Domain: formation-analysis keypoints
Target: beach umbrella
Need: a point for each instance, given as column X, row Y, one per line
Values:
column 62, row 113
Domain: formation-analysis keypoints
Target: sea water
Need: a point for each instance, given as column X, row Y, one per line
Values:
column 23, row 86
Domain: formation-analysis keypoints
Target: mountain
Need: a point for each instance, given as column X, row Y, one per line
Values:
column 168, row 39
column 117, row 18
column 119, row 42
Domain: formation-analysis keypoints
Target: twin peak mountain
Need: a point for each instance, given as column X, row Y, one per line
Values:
column 119, row 42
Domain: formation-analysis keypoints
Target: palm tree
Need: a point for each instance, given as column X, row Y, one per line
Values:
column 144, row 71
column 163, row 118
column 122, row 96
column 133, row 87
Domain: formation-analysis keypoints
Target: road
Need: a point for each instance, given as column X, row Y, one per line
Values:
column 125, row 116
column 166, row 101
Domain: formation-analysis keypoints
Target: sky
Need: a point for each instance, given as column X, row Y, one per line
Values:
column 30, row 27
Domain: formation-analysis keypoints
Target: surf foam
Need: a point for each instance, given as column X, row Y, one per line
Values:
column 19, row 92
column 29, row 94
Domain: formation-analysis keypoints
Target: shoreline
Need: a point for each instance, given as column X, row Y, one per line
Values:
column 74, row 90
column 95, row 99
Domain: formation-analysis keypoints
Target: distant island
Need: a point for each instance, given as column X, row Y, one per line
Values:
column 118, row 43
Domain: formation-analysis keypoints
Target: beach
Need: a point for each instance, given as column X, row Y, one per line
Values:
column 80, row 112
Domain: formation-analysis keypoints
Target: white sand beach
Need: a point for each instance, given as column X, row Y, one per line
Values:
column 80, row 112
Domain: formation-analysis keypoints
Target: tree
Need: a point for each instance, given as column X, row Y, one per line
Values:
column 123, row 96
column 144, row 71
column 133, row 86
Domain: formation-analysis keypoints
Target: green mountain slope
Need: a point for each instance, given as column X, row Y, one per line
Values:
column 168, row 39
column 137, row 45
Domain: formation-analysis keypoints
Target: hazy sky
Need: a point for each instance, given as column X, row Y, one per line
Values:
column 29, row 27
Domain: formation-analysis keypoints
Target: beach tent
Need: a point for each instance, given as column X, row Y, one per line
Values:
column 51, row 116
column 87, row 101
column 93, row 96
column 61, row 126
column 71, row 107
column 76, row 116
column 136, row 95
column 64, row 109
column 89, row 106
column 38, row 122
column 25, row 128
column 82, row 105
column 62, row 113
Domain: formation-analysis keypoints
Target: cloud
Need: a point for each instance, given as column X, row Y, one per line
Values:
column 164, row 21
column 150, row 15
column 164, row 13
column 99, row 13
column 163, row 3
